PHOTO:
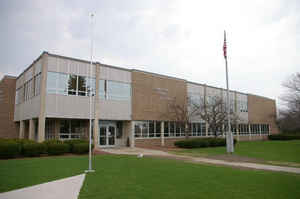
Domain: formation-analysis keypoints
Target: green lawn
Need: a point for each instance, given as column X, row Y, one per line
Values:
column 276, row 152
column 153, row 178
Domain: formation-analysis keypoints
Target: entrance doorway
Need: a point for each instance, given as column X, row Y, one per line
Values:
column 107, row 134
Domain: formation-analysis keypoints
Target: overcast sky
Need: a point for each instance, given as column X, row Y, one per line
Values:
column 177, row 38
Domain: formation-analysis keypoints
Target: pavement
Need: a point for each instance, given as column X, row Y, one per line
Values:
column 158, row 153
column 68, row 188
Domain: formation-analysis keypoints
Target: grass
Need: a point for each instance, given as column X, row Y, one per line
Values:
column 150, row 178
column 273, row 152
column 18, row 173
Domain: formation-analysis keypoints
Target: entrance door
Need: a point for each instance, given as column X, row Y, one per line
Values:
column 107, row 135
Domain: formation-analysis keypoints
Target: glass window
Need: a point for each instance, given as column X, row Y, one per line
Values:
column 37, row 84
column 166, row 129
column 158, row 128
column 118, row 90
column 90, row 86
column 137, row 130
column 81, row 85
column 177, row 127
column 172, row 129
column 151, row 129
column 62, row 87
column 51, row 82
column 72, row 84
column 119, row 130
column 102, row 90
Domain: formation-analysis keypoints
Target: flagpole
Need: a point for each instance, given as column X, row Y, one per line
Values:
column 90, row 93
column 229, row 137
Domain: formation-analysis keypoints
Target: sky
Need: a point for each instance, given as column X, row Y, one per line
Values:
column 178, row 38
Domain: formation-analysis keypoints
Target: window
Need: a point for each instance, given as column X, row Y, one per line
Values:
column 113, row 90
column 60, row 83
column 72, row 129
column 72, row 85
column 102, row 89
column 119, row 130
column 37, row 84
column 166, row 129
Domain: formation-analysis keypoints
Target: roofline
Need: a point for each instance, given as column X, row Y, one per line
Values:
column 129, row 70
column 157, row 74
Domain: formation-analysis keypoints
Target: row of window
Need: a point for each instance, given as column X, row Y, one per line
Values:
column 176, row 129
column 30, row 89
column 66, row 84
column 112, row 90
column 196, row 98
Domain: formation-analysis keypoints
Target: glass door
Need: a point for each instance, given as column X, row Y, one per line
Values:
column 107, row 135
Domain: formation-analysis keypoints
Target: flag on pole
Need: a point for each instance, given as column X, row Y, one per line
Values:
column 225, row 46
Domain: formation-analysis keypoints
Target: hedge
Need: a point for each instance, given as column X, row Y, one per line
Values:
column 201, row 142
column 81, row 148
column 72, row 142
column 57, row 148
column 34, row 149
column 284, row 137
column 9, row 149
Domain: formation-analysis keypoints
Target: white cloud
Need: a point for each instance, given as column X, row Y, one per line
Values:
column 178, row 38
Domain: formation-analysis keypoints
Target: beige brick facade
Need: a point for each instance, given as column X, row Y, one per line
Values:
column 262, row 110
column 7, row 102
column 151, row 92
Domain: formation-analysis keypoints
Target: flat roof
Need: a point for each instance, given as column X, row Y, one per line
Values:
column 131, row 70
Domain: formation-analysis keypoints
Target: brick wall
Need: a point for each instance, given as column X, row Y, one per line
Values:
column 8, row 127
column 262, row 111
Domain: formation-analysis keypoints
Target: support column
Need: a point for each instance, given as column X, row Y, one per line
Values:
column 162, row 133
column 31, row 129
column 43, row 93
column 96, row 132
column 41, row 129
column 132, row 144
column 206, row 129
column 259, row 125
column 21, row 130
column 237, row 132
column 249, row 131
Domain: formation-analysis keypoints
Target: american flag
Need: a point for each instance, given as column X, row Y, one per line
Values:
column 225, row 46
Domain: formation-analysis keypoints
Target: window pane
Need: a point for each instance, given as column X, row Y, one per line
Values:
column 81, row 85
column 151, row 129
column 51, row 82
column 91, row 86
column 72, row 84
column 62, row 84
column 158, row 128
column 102, row 89
column 118, row 90
column 166, row 129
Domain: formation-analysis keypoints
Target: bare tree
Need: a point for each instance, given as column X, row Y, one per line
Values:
column 213, row 111
column 289, row 116
column 181, row 113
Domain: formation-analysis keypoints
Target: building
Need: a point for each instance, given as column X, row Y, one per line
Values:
column 127, row 105
column 7, row 106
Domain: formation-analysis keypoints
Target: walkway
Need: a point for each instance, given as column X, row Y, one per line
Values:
column 64, row 188
column 157, row 153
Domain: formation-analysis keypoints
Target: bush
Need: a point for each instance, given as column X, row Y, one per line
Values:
column 71, row 143
column 284, row 137
column 9, row 148
column 81, row 148
column 21, row 143
column 33, row 149
column 201, row 142
column 57, row 148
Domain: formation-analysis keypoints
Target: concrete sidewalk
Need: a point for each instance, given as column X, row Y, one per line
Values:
column 68, row 188
column 158, row 153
